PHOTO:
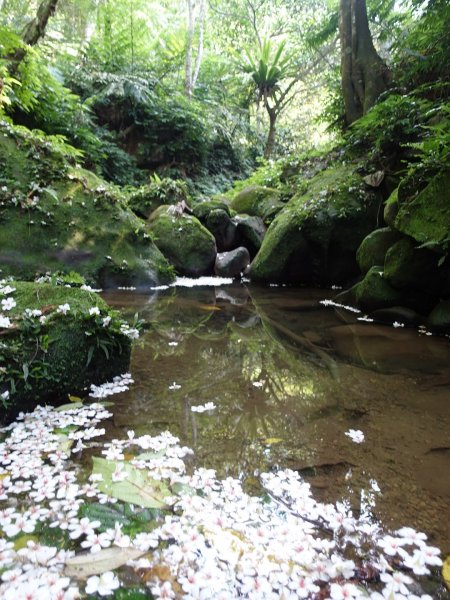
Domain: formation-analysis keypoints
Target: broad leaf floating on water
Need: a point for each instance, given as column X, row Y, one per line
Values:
column 85, row 565
column 136, row 487
column 446, row 572
column 71, row 406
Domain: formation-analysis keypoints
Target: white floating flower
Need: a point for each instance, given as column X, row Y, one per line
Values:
column 94, row 311
column 5, row 322
column 174, row 386
column 356, row 435
column 200, row 408
column 103, row 585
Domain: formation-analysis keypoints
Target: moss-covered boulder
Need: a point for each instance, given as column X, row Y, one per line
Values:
column 252, row 231
column 202, row 208
column 224, row 230
column 57, row 340
column 55, row 216
column 258, row 201
column 407, row 266
column 373, row 248
column 439, row 318
column 391, row 208
column 315, row 237
column 184, row 241
column 233, row 263
column 425, row 216
column 374, row 292
column 145, row 199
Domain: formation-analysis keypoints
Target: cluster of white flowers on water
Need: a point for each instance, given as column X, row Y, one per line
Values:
column 119, row 384
column 214, row 542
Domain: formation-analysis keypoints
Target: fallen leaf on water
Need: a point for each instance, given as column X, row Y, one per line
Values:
column 85, row 565
column 273, row 440
column 446, row 572
column 210, row 307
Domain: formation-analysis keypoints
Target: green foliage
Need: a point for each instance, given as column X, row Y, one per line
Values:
column 389, row 125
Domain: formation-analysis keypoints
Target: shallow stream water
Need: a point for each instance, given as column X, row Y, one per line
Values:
column 289, row 376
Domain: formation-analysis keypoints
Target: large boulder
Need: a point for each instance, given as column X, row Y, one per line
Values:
column 184, row 241
column 425, row 216
column 252, row 231
column 202, row 208
column 373, row 248
column 57, row 340
column 315, row 237
column 224, row 230
column 58, row 217
column 258, row 201
column 407, row 266
column 233, row 263
column 439, row 318
column 145, row 199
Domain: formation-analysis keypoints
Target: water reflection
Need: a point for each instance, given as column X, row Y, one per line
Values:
column 289, row 377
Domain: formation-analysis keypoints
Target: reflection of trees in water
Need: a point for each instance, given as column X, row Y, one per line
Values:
column 263, row 386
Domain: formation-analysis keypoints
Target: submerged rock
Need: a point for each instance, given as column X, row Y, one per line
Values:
column 58, row 217
column 184, row 241
column 60, row 340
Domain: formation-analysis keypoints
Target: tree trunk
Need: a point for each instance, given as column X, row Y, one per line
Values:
column 270, row 144
column 364, row 75
column 34, row 31
column 36, row 28
column 189, row 43
column 198, row 58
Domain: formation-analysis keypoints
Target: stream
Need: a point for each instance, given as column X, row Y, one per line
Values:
column 289, row 377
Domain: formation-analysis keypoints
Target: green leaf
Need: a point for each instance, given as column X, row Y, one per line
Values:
column 138, row 488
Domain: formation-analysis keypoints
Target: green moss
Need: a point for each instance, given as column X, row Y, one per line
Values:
column 374, row 292
column 426, row 216
column 373, row 248
column 184, row 241
column 201, row 210
column 258, row 201
column 407, row 266
column 315, row 237
column 46, row 359
column 71, row 221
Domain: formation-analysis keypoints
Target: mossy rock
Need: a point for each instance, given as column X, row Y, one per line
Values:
column 184, row 241
column 145, row 199
column 47, row 361
column 314, row 239
column 63, row 218
column 425, row 216
column 374, row 292
column 202, row 209
column 224, row 230
column 252, row 231
column 258, row 201
column 391, row 208
column 373, row 248
column 439, row 318
column 407, row 266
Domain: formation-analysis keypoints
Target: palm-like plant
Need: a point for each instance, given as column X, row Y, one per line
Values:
column 268, row 68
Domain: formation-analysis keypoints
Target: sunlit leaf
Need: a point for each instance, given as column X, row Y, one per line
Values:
column 70, row 406
column 446, row 572
column 85, row 565
column 138, row 488
column 273, row 440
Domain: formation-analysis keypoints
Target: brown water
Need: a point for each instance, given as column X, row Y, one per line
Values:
column 289, row 377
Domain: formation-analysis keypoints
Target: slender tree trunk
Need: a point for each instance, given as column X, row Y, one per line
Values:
column 270, row 143
column 364, row 75
column 201, row 31
column 36, row 28
column 34, row 31
column 189, row 43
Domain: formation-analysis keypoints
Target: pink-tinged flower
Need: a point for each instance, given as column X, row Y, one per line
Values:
column 412, row 536
column 391, row 545
column 81, row 527
column 103, row 585
column 343, row 591
column 163, row 590
column 396, row 582
column 96, row 541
